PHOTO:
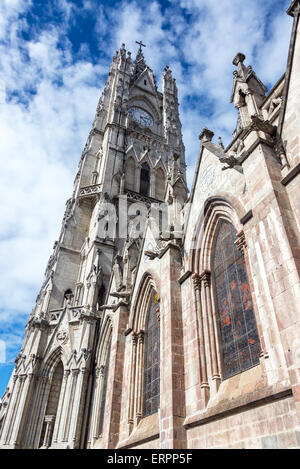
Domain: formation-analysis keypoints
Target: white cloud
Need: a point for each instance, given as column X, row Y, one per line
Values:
column 43, row 129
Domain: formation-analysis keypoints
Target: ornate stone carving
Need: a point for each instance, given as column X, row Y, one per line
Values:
column 206, row 278
column 196, row 281
column 62, row 336
column 88, row 191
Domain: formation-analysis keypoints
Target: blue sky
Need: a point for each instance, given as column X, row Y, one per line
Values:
column 54, row 58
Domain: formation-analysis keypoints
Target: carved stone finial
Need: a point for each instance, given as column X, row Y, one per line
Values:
column 206, row 135
column 294, row 9
column 221, row 145
column 239, row 58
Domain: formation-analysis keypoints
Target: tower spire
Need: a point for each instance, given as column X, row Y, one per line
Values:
column 139, row 64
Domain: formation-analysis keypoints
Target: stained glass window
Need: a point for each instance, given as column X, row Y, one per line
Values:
column 152, row 359
column 239, row 341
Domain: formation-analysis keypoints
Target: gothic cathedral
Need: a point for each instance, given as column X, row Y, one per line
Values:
column 170, row 319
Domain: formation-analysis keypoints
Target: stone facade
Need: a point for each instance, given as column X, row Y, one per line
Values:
column 218, row 269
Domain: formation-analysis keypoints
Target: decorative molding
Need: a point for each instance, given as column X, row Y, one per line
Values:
column 184, row 276
column 197, row 281
column 141, row 336
column 238, row 405
column 55, row 314
column 89, row 191
column 205, row 276
column 246, row 217
column 136, row 197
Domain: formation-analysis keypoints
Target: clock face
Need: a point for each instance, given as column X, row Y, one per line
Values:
column 141, row 117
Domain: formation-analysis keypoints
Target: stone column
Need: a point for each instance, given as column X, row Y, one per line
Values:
column 172, row 385
column 21, row 413
column 201, row 339
column 114, row 384
column 140, row 376
column 152, row 183
column 61, row 407
column 137, row 178
column 215, row 373
column 251, row 103
column 12, row 404
column 49, row 420
column 69, row 403
column 18, row 412
column 96, row 404
column 35, row 421
column 132, row 381
column 79, row 394
column 67, row 381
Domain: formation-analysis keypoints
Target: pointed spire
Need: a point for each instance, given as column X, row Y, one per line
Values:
column 294, row 9
column 139, row 64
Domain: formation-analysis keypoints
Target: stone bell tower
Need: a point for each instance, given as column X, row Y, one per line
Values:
column 134, row 152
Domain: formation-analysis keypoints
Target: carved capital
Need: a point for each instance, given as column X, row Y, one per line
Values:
column 141, row 336
column 66, row 374
column 196, row 281
column 86, row 353
column 206, row 278
column 100, row 371
column 49, row 418
column 134, row 338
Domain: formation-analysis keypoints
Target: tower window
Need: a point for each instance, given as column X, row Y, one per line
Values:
column 145, row 82
column 239, row 341
column 145, row 179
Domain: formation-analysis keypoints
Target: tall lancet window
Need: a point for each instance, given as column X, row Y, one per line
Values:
column 152, row 358
column 239, row 341
column 145, row 179
column 52, row 406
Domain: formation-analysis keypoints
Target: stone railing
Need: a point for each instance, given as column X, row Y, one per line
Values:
column 89, row 191
column 55, row 314
column 137, row 197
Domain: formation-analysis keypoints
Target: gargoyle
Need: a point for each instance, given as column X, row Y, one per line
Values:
column 230, row 160
column 259, row 124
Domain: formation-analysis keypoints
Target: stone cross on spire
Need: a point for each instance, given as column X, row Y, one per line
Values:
column 140, row 44
column 139, row 64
